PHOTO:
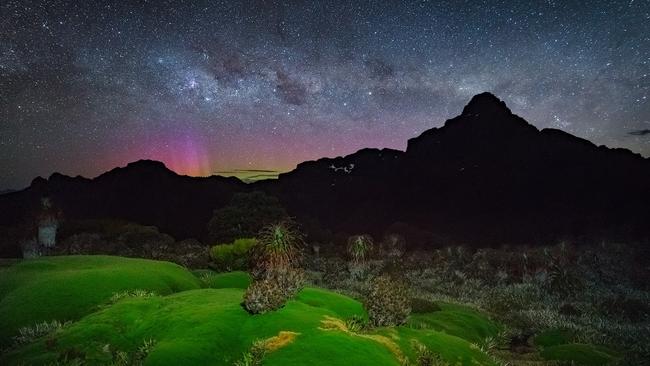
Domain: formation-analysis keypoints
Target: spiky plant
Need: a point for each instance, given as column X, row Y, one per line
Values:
column 280, row 246
column 277, row 276
column 359, row 247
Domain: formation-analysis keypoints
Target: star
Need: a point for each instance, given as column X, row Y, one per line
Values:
column 211, row 87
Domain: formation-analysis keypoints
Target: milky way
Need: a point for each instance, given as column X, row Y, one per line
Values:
column 208, row 86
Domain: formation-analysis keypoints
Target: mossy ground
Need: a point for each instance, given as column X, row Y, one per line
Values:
column 580, row 354
column 557, row 345
column 235, row 279
column 67, row 288
column 207, row 326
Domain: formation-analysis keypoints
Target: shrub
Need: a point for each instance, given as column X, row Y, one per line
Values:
column 290, row 280
column 569, row 309
column 263, row 296
column 393, row 245
column 335, row 272
column 627, row 308
column 234, row 256
column 272, row 292
column 387, row 302
column 563, row 280
column 189, row 253
column 509, row 298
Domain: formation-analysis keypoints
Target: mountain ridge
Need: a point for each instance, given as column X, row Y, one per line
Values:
column 486, row 176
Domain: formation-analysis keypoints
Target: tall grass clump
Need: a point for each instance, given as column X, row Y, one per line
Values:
column 359, row 247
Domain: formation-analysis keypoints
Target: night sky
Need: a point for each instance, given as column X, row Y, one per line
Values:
column 213, row 86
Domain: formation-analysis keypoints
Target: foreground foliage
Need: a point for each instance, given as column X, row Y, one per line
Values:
column 276, row 272
column 597, row 296
column 209, row 326
column 601, row 318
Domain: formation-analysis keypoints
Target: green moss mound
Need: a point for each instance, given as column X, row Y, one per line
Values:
column 580, row 354
column 69, row 287
column 236, row 279
column 209, row 326
column 556, row 345
column 185, row 324
column 343, row 306
column 206, row 326
column 457, row 320
column 552, row 337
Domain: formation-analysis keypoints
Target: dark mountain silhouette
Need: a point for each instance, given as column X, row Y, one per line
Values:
column 486, row 177
column 145, row 191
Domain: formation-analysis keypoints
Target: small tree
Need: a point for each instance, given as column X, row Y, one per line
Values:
column 244, row 216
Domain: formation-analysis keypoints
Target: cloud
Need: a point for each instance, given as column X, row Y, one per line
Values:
column 640, row 132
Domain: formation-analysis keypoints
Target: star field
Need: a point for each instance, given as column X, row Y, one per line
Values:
column 209, row 86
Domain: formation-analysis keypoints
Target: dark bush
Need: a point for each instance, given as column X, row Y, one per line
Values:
column 335, row 272
column 270, row 293
column 387, row 302
column 244, row 217
column 420, row 306
column 289, row 280
column 631, row 309
column 568, row 309
column 393, row 245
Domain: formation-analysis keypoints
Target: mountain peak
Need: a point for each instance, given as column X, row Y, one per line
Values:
column 147, row 164
column 486, row 103
column 142, row 167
